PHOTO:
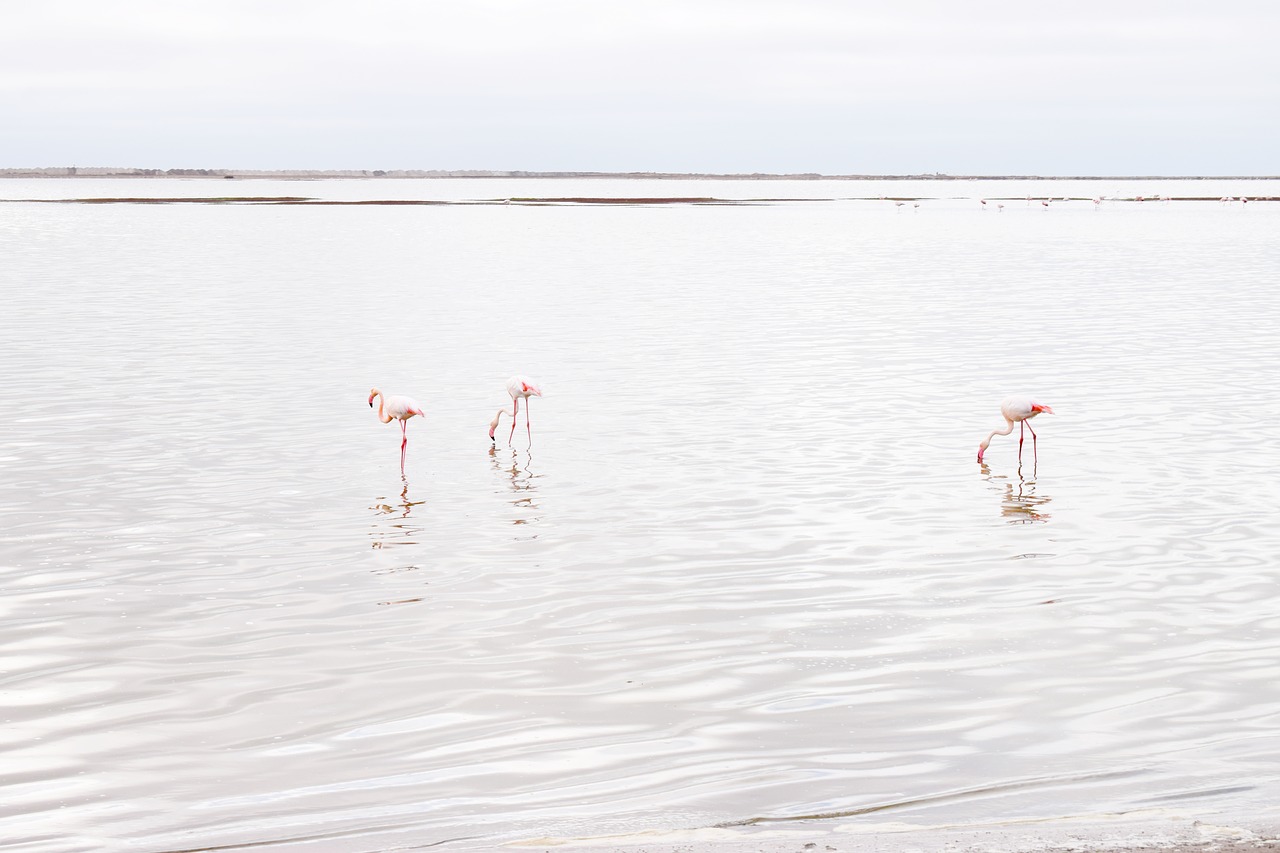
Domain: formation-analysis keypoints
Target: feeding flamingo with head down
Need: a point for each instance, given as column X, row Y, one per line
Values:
column 399, row 408
column 1015, row 410
column 520, row 388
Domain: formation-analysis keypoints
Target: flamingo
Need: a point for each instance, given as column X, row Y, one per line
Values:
column 1015, row 410
column 519, row 387
column 399, row 408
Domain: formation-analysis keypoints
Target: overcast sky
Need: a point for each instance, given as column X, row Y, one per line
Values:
column 957, row 86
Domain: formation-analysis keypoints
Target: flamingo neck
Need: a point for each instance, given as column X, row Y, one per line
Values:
column 497, row 419
column 386, row 419
column 1008, row 428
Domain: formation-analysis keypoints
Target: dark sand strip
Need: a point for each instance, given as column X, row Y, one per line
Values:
column 303, row 201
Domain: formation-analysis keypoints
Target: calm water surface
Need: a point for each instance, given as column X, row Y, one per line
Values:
column 747, row 570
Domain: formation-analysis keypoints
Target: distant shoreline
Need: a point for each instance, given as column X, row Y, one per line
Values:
column 373, row 174
column 533, row 201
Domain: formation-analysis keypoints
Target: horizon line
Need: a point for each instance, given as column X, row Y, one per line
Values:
column 139, row 172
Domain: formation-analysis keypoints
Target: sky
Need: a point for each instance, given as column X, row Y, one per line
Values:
column 1122, row 87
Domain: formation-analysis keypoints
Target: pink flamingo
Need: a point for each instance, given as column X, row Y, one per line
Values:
column 519, row 387
column 1015, row 410
column 399, row 408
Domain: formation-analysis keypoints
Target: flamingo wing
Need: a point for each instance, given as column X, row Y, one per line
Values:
column 403, row 407
column 1016, row 409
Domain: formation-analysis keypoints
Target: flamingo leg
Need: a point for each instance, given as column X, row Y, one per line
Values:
column 528, row 428
column 1022, row 434
column 1034, row 455
column 404, row 442
column 515, row 410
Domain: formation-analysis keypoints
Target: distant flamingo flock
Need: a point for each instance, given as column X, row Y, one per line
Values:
column 1048, row 201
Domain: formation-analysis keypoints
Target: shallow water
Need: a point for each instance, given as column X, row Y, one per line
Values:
column 747, row 569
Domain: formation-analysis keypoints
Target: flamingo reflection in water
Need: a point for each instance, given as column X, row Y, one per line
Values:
column 1020, row 504
column 400, row 531
column 521, row 481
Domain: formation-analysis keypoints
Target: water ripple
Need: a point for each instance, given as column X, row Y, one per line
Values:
column 746, row 571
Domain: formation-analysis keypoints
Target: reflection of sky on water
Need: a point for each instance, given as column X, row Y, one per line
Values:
column 755, row 604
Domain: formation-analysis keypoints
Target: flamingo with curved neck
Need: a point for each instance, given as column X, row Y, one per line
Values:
column 520, row 388
column 1016, row 410
column 396, row 407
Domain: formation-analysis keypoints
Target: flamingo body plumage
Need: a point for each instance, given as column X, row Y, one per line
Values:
column 1015, row 410
column 397, row 407
column 519, row 388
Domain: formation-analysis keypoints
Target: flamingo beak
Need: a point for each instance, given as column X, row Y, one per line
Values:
column 371, row 402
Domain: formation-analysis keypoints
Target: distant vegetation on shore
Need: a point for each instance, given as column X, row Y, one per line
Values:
column 316, row 174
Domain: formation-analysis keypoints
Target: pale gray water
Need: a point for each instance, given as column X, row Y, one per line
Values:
column 749, row 568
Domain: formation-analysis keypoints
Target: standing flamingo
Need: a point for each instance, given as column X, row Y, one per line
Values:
column 519, row 387
column 397, row 407
column 1015, row 410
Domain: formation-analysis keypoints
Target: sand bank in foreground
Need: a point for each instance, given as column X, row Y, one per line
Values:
column 1133, row 832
